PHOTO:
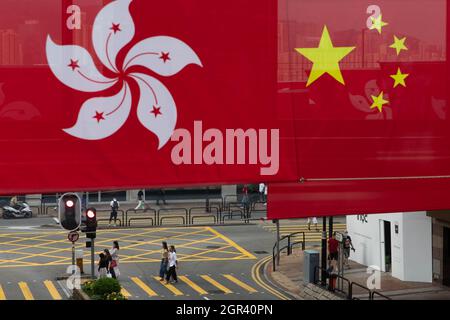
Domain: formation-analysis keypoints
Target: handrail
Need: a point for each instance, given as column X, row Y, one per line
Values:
column 289, row 246
column 360, row 286
column 380, row 295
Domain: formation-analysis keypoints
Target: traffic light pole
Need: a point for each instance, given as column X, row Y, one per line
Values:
column 73, row 257
column 92, row 260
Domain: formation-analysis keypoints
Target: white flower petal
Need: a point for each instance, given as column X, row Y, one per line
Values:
column 74, row 67
column 164, row 55
column 101, row 117
column 113, row 29
column 156, row 108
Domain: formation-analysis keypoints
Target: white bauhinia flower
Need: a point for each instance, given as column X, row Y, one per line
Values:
column 100, row 117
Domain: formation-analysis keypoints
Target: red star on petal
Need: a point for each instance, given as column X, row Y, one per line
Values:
column 98, row 116
column 115, row 27
column 156, row 111
column 165, row 56
column 73, row 64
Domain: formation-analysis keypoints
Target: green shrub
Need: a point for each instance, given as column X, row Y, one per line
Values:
column 115, row 296
column 105, row 286
column 88, row 288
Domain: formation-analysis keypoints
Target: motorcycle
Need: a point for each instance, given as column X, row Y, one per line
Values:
column 21, row 210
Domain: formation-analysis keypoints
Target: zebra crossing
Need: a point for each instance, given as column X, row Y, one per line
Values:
column 189, row 287
column 312, row 235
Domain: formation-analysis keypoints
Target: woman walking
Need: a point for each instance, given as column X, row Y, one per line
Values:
column 173, row 265
column 102, row 266
column 109, row 261
column 164, row 261
column 115, row 259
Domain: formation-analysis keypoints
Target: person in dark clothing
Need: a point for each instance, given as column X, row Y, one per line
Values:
column 161, row 197
column 109, row 260
column 102, row 266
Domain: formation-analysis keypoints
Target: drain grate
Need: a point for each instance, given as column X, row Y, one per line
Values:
column 261, row 252
column 213, row 247
column 215, row 291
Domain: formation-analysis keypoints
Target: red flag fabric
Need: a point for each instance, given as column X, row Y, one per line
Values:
column 132, row 93
column 368, row 89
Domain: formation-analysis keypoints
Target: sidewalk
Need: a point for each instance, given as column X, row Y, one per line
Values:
column 289, row 275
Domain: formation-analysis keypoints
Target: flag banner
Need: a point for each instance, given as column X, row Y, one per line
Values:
column 135, row 93
column 367, row 86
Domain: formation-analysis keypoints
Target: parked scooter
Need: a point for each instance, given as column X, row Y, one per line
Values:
column 21, row 210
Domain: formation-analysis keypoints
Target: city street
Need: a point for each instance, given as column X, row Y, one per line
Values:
column 215, row 262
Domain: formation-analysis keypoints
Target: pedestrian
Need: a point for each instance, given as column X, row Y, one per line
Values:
column 314, row 221
column 265, row 195
column 115, row 259
column 173, row 265
column 164, row 261
column 140, row 196
column 245, row 198
column 109, row 268
column 333, row 251
column 347, row 246
column 114, row 207
column 102, row 266
column 262, row 188
column 161, row 197
column 13, row 202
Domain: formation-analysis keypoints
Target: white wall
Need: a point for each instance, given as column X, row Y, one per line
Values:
column 411, row 247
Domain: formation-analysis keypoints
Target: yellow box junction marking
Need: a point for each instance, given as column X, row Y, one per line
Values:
column 191, row 243
column 26, row 291
column 216, row 284
column 240, row 283
column 193, row 285
column 144, row 287
column 51, row 288
column 172, row 288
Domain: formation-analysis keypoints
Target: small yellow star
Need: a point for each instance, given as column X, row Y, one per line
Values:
column 325, row 58
column 378, row 23
column 379, row 102
column 399, row 44
column 399, row 78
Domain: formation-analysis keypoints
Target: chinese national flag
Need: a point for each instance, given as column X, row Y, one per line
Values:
column 91, row 93
column 368, row 89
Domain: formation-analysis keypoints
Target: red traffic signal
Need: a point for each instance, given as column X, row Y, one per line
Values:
column 69, row 211
column 90, row 214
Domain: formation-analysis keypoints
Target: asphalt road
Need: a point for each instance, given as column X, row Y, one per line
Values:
column 215, row 262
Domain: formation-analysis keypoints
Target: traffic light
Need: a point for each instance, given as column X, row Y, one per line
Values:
column 91, row 223
column 69, row 211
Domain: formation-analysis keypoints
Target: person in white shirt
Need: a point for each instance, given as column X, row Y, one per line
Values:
column 314, row 221
column 265, row 195
column 114, row 207
column 173, row 265
column 115, row 259
column 262, row 189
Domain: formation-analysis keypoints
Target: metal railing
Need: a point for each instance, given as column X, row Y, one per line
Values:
column 289, row 247
column 350, row 285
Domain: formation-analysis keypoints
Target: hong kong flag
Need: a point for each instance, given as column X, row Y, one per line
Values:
column 134, row 93
column 367, row 83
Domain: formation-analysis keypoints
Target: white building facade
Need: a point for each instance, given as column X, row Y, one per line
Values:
column 400, row 243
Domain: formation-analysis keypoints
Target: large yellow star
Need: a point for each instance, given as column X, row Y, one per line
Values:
column 378, row 23
column 399, row 78
column 325, row 58
column 399, row 44
column 379, row 102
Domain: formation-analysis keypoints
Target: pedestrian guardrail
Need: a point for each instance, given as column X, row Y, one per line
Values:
column 202, row 212
column 173, row 213
column 139, row 214
column 103, row 218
